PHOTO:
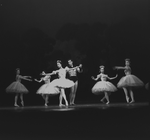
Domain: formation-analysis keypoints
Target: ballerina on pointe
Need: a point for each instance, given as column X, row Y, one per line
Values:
column 128, row 81
column 61, row 82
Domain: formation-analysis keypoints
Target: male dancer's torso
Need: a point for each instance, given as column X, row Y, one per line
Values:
column 73, row 74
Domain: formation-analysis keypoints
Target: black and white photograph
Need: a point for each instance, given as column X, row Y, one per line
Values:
column 74, row 69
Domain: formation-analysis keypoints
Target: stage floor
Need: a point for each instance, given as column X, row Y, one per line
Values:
column 77, row 107
column 119, row 121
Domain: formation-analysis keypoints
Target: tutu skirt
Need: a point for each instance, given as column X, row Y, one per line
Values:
column 62, row 83
column 103, row 86
column 130, row 81
column 48, row 89
column 16, row 87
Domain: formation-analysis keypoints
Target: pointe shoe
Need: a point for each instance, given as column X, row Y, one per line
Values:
column 102, row 101
column 127, row 100
column 22, row 103
column 45, row 105
column 132, row 102
column 16, row 105
column 61, row 105
column 107, row 103
column 72, row 104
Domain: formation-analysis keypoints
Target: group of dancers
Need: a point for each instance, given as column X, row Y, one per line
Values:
column 127, row 83
column 58, row 85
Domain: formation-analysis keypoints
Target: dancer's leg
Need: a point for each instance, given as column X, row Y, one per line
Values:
column 107, row 97
column 132, row 96
column 61, row 97
column 16, row 99
column 43, row 96
column 64, row 96
column 74, row 93
column 71, row 94
column 126, row 94
column 46, row 100
column 102, row 100
column 21, row 98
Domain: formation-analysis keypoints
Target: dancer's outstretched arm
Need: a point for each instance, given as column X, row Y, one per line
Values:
column 48, row 74
column 25, row 78
column 98, row 76
column 110, row 78
column 118, row 67
column 77, row 67
column 39, row 80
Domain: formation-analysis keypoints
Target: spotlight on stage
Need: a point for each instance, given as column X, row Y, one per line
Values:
column 60, row 109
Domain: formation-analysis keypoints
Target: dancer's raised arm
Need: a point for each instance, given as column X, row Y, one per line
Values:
column 79, row 68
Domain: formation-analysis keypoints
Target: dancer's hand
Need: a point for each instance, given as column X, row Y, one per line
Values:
column 29, row 79
column 36, row 80
column 92, row 77
column 80, row 65
column 43, row 73
column 115, row 68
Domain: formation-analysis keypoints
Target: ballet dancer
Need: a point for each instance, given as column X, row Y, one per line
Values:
column 61, row 82
column 103, row 86
column 18, row 88
column 128, row 81
column 46, row 90
column 72, row 72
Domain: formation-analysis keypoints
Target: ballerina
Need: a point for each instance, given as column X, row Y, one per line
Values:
column 103, row 86
column 18, row 88
column 61, row 82
column 46, row 90
column 128, row 81
column 72, row 71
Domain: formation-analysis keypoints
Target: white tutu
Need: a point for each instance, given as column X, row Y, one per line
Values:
column 62, row 83
column 48, row 89
column 16, row 87
column 130, row 81
column 103, row 86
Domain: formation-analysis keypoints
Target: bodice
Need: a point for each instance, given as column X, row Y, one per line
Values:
column 46, row 79
column 18, row 78
column 127, row 70
column 103, row 77
column 62, row 73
